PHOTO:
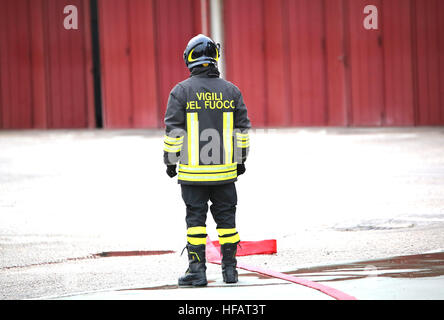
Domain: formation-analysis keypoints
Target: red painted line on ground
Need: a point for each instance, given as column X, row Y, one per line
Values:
column 132, row 253
column 213, row 256
column 92, row 256
column 45, row 263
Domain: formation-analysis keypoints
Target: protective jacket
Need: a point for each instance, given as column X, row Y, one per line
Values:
column 206, row 128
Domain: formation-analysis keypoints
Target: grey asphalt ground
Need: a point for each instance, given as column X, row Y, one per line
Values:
column 341, row 195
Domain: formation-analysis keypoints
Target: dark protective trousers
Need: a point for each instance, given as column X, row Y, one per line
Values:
column 223, row 199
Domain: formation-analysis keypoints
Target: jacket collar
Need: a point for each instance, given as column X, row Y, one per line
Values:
column 205, row 72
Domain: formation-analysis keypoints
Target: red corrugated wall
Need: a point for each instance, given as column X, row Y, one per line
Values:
column 322, row 67
column 430, row 61
column 128, row 64
column 298, row 62
column 366, row 68
column 282, row 44
column 142, row 43
column 245, row 55
column 176, row 22
column 337, row 79
column 306, row 62
column 16, row 83
column 397, row 36
column 45, row 75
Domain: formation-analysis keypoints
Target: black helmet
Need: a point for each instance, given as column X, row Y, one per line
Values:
column 200, row 50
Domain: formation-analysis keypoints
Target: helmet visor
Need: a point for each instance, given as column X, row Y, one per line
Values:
column 212, row 51
column 209, row 50
column 197, row 52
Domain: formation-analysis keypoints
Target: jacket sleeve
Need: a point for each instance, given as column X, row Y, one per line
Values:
column 174, row 126
column 241, row 126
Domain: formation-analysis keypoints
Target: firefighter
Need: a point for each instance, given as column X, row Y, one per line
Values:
column 207, row 136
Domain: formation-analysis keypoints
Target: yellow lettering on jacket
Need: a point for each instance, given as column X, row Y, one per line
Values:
column 209, row 95
column 193, row 105
column 217, row 104
column 211, row 100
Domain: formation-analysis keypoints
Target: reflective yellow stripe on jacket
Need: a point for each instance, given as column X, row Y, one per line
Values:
column 193, row 138
column 193, row 171
column 228, row 136
column 171, row 144
column 242, row 140
column 208, row 172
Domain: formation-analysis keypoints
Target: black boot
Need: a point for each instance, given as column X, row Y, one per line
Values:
column 229, row 262
column 196, row 272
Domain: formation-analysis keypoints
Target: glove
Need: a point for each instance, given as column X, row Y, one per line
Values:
column 171, row 170
column 240, row 169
